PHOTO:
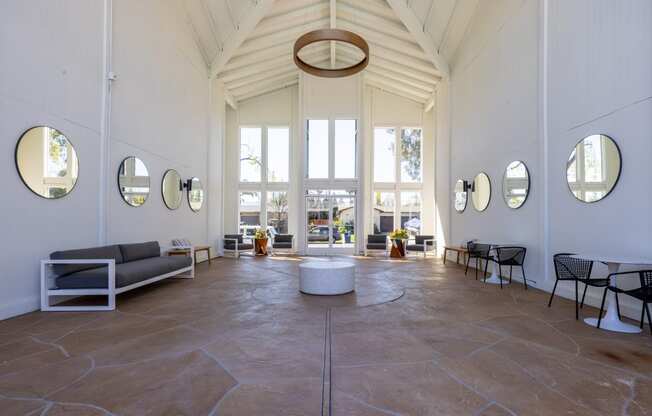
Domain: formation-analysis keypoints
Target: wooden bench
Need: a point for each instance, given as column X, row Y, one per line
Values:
column 186, row 251
column 458, row 250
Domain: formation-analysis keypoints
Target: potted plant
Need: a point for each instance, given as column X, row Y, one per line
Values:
column 398, row 238
column 260, row 240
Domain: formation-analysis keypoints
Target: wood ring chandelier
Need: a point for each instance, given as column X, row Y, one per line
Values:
column 322, row 35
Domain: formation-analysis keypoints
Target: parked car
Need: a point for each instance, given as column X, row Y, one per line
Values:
column 320, row 233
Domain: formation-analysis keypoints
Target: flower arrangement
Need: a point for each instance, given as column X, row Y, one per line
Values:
column 260, row 234
column 399, row 234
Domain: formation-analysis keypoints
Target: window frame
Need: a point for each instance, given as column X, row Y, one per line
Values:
column 331, row 182
column 264, row 186
column 398, row 186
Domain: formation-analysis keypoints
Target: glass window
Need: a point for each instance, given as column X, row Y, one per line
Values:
column 411, row 211
column 410, row 155
column 277, row 212
column 249, row 212
column 251, row 158
column 278, row 154
column 345, row 138
column 318, row 149
column 384, row 203
column 384, row 154
column 593, row 159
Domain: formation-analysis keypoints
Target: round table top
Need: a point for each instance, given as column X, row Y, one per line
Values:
column 324, row 265
column 613, row 259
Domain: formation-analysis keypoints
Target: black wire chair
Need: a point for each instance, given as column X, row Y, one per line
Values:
column 643, row 293
column 510, row 256
column 478, row 252
column 579, row 271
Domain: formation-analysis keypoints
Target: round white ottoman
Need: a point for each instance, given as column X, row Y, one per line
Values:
column 326, row 277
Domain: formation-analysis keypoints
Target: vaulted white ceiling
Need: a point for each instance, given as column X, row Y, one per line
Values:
column 248, row 43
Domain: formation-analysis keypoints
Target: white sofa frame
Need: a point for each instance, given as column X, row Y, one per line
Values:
column 367, row 250
column 48, row 289
column 237, row 251
column 425, row 251
column 282, row 250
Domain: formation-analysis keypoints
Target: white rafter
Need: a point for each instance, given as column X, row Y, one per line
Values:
column 244, row 28
column 414, row 26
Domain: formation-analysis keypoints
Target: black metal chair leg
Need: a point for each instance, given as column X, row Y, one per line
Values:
column 486, row 265
column 552, row 295
column 617, row 305
column 577, row 311
column 500, row 275
column 643, row 315
column 604, row 296
column 649, row 320
column 524, row 279
column 583, row 295
column 510, row 273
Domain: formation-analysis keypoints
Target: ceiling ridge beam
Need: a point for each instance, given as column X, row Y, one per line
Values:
column 414, row 26
column 259, row 9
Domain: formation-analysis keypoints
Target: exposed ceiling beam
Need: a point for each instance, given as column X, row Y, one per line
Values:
column 382, row 80
column 389, row 42
column 243, row 29
column 269, row 82
column 286, row 37
column 271, row 25
column 269, row 89
column 373, row 7
column 333, row 25
column 430, row 103
column 414, row 26
column 230, row 100
column 391, row 90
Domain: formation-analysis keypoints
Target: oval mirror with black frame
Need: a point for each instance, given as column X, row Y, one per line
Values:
column 481, row 192
column 593, row 168
column 133, row 181
column 172, row 189
column 516, row 184
column 461, row 196
column 47, row 162
column 195, row 195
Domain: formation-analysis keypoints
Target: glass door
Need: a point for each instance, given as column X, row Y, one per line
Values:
column 331, row 221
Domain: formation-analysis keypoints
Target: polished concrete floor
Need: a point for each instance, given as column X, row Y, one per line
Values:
column 417, row 338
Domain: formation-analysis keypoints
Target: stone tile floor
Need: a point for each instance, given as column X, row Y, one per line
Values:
column 417, row 338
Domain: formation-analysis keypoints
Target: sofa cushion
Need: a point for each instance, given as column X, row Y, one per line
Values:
column 139, row 251
column 282, row 245
column 283, row 238
column 105, row 252
column 377, row 246
column 125, row 273
column 420, row 247
column 231, row 237
column 377, row 239
column 421, row 238
column 230, row 245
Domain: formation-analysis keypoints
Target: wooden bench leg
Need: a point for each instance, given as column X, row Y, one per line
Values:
column 208, row 250
column 445, row 251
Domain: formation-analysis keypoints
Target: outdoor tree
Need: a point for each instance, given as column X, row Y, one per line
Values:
column 411, row 153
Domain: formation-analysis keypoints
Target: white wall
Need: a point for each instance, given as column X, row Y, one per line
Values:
column 52, row 72
column 531, row 79
column 494, row 120
column 160, row 115
column 45, row 80
column 600, row 81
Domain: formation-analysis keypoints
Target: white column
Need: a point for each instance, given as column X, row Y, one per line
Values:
column 215, row 186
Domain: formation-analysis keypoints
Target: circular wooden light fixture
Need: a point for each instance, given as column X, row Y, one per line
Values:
column 323, row 35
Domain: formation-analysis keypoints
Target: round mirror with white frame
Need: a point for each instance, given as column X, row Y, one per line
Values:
column 195, row 195
column 47, row 162
column 133, row 181
column 461, row 196
column 593, row 168
column 172, row 189
column 481, row 192
column 516, row 184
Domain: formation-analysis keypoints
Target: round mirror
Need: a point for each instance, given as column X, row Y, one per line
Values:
column 172, row 189
column 481, row 191
column 47, row 162
column 195, row 195
column 593, row 168
column 516, row 184
column 133, row 181
column 461, row 196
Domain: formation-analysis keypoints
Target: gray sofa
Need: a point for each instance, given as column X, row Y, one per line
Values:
column 108, row 270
